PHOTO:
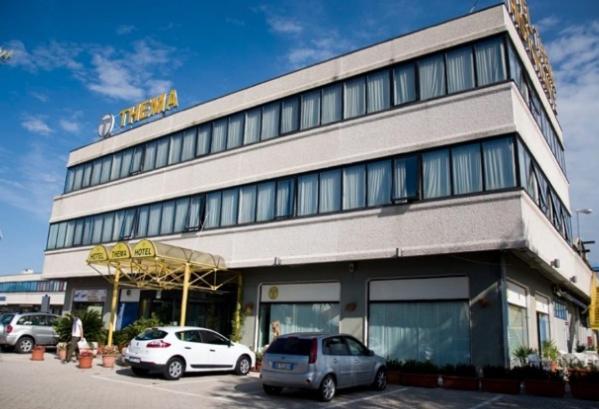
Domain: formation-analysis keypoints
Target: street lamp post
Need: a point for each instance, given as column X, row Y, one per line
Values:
column 578, row 211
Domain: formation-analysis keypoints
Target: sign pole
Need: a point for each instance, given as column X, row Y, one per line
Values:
column 115, row 297
column 185, row 292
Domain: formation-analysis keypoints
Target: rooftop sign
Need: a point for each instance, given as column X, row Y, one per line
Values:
column 518, row 10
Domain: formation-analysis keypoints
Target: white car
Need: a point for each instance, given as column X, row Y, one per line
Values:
column 176, row 350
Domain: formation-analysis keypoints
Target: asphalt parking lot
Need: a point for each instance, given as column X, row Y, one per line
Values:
column 25, row 384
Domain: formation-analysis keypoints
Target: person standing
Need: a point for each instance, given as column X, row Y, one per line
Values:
column 76, row 335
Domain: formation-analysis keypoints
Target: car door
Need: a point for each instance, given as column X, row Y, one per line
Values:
column 50, row 320
column 337, row 357
column 192, row 349
column 362, row 363
column 40, row 329
column 220, row 353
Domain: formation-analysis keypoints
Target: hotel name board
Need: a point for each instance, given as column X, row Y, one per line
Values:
column 518, row 10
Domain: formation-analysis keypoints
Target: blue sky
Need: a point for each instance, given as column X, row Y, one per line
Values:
column 74, row 61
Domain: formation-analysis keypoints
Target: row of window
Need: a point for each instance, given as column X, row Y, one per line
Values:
column 542, row 193
column 433, row 76
column 32, row 286
column 519, row 75
column 450, row 171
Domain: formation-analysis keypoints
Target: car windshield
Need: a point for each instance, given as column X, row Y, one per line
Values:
column 151, row 334
column 6, row 318
column 290, row 346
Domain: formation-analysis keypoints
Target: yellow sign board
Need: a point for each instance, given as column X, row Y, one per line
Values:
column 150, row 107
column 144, row 248
column 120, row 251
column 97, row 254
column 594, row 308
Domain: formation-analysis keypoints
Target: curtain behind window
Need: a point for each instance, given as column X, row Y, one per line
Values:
column 181, row 214
column 467, row 169
column 252, row 126
column 499, row 164
column 266, row 201
column 310, row 109
column 435, row 174
column 235, row 131
column 290, row 115
column 228, row 215
column 270, row 120
column 378, row 91
column 354, row 102
column 285, row 199
column 195, row 209
column 96, row 172
column 331, row 104
column 212, row 218
column 189, row 142
column 517, row 329
column 161, row 152
column 354, row 187
column 317, row 317
column 460, row 70
column 490, row 61
column 119, row 218
column 149, row 157
column 175, row 149
column 126, row 161
column 142, row 223
column 404, row 81
column 168, row 217
column 107, row 227
column 219, row 135
column 247, row 204
column 330, row 191
column 379, row 183
column 406, row 178
column 431, row 71
column 307, row 195
column 203, row 143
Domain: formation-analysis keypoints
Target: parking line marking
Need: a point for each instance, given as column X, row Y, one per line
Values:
column 367, row 397
column 487, row 402
column 149, row 386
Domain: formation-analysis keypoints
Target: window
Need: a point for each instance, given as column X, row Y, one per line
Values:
column 334, row 346
column 331, row 104
column 219, row 135
column 154, row 219
column 285, row 198
column 87, row 231
column 404, row 84
column 355, row 347
column 78, row 236
column 195, row 212
column 209, row 337
column 379, row 97
column 203, row 144
column 307, row 194
column 435, row 174
column 181, row 217
column 212, row 210
column 174, row 154
column 270, row 121
column 354, row 98
column 149, row 156
column 330, row 191
column 189, row 336
column 189, row 141
column 128, row 224
column 354, row 187
column 266, row 201
column 87, row 174
column 235, row 131
column 52, row 234
column 126, row 163
column 516, row 73
column 559, row 310
column 290, row 115
column 379, row 183
column 517, row 327
column 167, row 217
column 69, row 180
column 118, row 224
column 228, row 215
column 142, row 223
column 467, row 169
column 252, row 126
column 96, row 172
column 77, row 178
column 69, row 234
column 247, row 204
column 490, row 61
column 431, row 71
column 161, row 152
column 107, row 227
column 115, row 169
column 310, row 109
column 499, row 164
column 405, row 178
column 460, row 70
column 97, row 229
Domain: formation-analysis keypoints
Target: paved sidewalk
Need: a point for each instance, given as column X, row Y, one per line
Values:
column 25, row 384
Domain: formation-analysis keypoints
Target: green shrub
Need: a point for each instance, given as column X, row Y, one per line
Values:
column 465, row 370
column 92, row 326
column 522, row 353
column 424, row 367
column 393, row 364
column 549, row 351
column 134, row 329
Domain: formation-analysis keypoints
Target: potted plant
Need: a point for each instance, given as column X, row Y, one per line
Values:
column 85, row 359
column 540, row 382
column 585, row 384
column 522, row 353
column 37, row 353
column 497, row 379
column 259, row 356
column 461, row 376
column 109, row 355
column 393, row 371
column 61, row 350
column 419, row 373
column 550, row 353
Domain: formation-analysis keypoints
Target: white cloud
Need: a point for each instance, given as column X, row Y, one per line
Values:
column 36, row 124
column 284, row 25
column 70, row 125
column 39, row 96
column 547, row 23
column 46, row 57
column 113, row 79
column 323, row 46
column 125, row 29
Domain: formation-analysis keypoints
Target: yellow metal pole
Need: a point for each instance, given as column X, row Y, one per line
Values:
column 184, row 297
column 113, row 306
column 237, row 318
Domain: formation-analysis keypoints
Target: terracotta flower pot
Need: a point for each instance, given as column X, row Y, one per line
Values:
column 85, row 360
column 37, row 353
column 393, row 376
column 495, row 385
column 421, row 380
column 585, row 390
column 460, row 382
column 257, row 367
column 108, row 361
column 62, row 354
column 540, row 387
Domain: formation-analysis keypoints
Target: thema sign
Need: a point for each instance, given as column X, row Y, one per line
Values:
column 518, row 10
column 143, row 110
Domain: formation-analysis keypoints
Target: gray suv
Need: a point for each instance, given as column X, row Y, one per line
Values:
column 320, row 362
column 24, row 331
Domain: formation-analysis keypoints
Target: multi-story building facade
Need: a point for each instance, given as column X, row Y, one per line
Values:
column 412, row 193
column 25, row 292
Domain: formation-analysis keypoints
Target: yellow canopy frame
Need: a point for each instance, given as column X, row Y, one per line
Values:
column 158, row 266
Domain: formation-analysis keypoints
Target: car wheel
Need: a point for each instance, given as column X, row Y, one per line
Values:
column 174, row 369
column 243, row 365
column 25, row 345
column 327, row 389
column 380, row 380
column 139, row 371
column 272, row 390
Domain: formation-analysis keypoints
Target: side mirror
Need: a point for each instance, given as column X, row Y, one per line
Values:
column 370, row 352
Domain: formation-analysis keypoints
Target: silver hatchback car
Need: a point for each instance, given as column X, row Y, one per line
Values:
column 322, row 363
column 24, row 331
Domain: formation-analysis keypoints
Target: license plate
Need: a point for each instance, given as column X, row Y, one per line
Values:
column 134, row 359
column 284, row 365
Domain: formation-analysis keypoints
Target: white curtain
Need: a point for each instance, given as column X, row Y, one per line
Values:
column 270, row 120
column 435, row 331
column 212, row 218
column 331, row 104
column 312, row 317
column 168, row 217
column 149, row 158
column 467, row 169
column 203, row 143
column 174, row 155
column 354, row 187
column 516, row 72
column 266, row 201
column 460, row 70
column 284, row 198
column 219, row 135
column 330, row 191
column 310, row 109
column 307, row 195
column 96, row 172
column 406, row 177
column 235, row 132
column 247, row 204
column 431, row 71
column 137, row 157
column 517, row 329
column 228, row 215
column 499, row 164
column 154, row 219
column 78, row 178
column 161, row 152
column 490, row 61
column 379, row 183
column 128, row 224
column 97, row 230
column 181, row 211
column 404, row 84
column 127, row 159
column 379, row 97
column 69, row 182
column 87, row 173
column 290, row 115
column 61, row 232
column 119, row 219
column 107, row 227
column 354, row 98
column 78, row 232
column 52, row 235
column 189, row 141
column 69, row 234
column 435, row 166
column 142, row 222
column 252, row 126
column 195, row 207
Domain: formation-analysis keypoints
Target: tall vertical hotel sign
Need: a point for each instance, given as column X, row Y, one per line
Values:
column 518, row 10
column 594, row 308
